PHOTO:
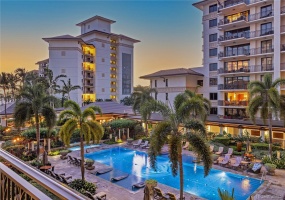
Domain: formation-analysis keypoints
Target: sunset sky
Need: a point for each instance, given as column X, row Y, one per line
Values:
column 170, row 31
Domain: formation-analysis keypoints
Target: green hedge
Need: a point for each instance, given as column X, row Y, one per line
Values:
column 223, row 140
column 264, row 146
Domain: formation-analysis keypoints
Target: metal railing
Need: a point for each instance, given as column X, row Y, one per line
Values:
column 282, row 29
column 241, row 86
column 232, row 103
column 241, row 69
column 252, row 68
column 226, row 21
column 174, row 89
column 262, row 32
column 239, row 52
column 243, row 34
column 260, row 15
column 260, row 50
column 282, row 66
column 282, row 47
column 230, row 3
column 14, row 186
column 60, row 190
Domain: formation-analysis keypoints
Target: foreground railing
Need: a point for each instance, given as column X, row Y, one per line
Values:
column 15, row 187
column 53, row 186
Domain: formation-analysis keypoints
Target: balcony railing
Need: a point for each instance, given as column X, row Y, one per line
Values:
column 226, row 21
column 241, row 86
column 88, row 84
column 232, row 103
column 282, row 47
column 174, row 89
column 282, row 66
column 239, row 52
column 241, row 69
column 282, row 10
column 260, row 15
column 244, row 34
column 261, row 50
column 252, row 68
column 88, row 59
column 230, row 3
column 262, row 32
column 88, row 76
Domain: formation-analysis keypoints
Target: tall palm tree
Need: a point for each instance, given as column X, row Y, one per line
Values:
column 34, row 103
column 67, row 88
column 83, row 120
column 282, row 107
column 52, row 82
column 265, row 97
column 140, row 95
column 13, row 80
column 169, row 130
column 21, row 74
column 4, row 85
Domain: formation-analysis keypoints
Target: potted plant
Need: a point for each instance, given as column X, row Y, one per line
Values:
column 90, row 164
column 63, row 154
column 239, row 140
column 150, row 184
column 270, row 168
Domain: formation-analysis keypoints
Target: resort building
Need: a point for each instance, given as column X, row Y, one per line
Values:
column 242, row 40
column 100, row 61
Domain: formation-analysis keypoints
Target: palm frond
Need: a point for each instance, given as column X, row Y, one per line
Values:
column 73, row 105
column 22, row 113
column 67, row 114
column 85, row 130
column 96, row 130
column 196, row 126
column 67, row 130
column 49, row 115
column 253, row 84
column 174, row 145
column 89, row 112
column 253, row 106
column 96, row 109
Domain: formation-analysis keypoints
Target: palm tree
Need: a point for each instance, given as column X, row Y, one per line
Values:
column 225, row 195
column 4, row 85
column 140, row 95
column 83, row 120
column 169, row 130
column 21, row 74
column 52, row 82
column 67, row 88
column 265, row 97
column 13, row 79
column 33, row 103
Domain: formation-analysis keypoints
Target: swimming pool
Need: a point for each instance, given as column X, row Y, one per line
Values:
column 85, row 147
column 136, row 164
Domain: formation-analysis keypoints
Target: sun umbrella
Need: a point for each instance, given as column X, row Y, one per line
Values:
column 146, row 193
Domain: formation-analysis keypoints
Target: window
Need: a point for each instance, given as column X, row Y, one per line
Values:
column 266, row 46
column 126, row 73
column 213, row 96
column 213, row 37
column 200, row 82
column 155, row 96
column 236, row 17
column 236, row 66
column 266, row 11
column 266, row 64
column 237, row 50
column 213, row 23
column 62, row 53
column 166, row 96
column 63, row 71
column 103, row 75
column 266, row 29
column 103, row 89
column 213, row 66
column 213, row 8
column 166, row 82
column 261, row 77
column 255, row 133
column 237, row 33
column 155, row 83
column 213, row 111
column 213, row 81
column 213, row 52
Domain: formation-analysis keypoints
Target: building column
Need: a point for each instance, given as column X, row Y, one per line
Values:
column 128, row 133
column 32, row 146
column 119, row 134
column 240, row 131
column 262, row 135
column 221, row 130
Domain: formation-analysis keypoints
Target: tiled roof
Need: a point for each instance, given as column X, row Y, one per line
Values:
column 94, row 18
column 62, row 37
column 43, row 61
column 172, row 72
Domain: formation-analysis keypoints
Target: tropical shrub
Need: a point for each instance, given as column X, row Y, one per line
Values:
column 82, row 187
column 223, row 140
column 264, row 146
column 270, row 167
column 31, row 133
column 54, row 153
column 280, row 164
column 36, row 163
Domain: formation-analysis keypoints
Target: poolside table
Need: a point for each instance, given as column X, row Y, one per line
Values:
column 45, row 168
column 244, row 163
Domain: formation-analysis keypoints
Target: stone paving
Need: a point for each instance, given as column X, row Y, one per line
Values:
column 273, row 187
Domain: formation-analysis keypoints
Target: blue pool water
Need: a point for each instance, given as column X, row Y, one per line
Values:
column 85, row 147
column 136, row 164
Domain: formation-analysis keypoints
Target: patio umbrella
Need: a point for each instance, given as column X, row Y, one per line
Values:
column 146, row 193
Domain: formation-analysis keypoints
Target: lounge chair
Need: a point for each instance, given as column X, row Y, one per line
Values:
column 211, row 148
column 172, row 196
column 186, row 145
column 138, row 143
column 237, row 163
column 138, row 185
column 221, row 149
column 118, row 178
column 70, row 160
column 225, row 161
column 256, row 168
column 158, row 194
column 144, row 145
column 100, row 195
column 230, row 152
column 77, row 162
column 66, row 180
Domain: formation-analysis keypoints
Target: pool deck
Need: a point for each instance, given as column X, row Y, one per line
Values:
column 273, row 187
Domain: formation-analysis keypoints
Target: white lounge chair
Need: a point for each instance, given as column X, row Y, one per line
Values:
column 138, row 143
column 237, row 162
column 186, row 145
column 144, row 145
column 226, row 160
column 230, row 152
column 221, row 149
column 211, row 148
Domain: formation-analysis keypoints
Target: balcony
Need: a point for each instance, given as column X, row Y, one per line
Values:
column 174, row 89
column 240, row 53
column 261, row 33
column 88, row 76
column 242, row 69
column 228, row 5
column 260, row 51
column 89, row 92
column 282, row 11
column 88, row 84
column 282, row 48
column 225, row 23
column 88, row 59
column 88, row 54
column 282, row 66
column 239, row 37
column 113, row 72
column 282, row 30
column 260, row 16
column 241, row 86
column 233, row 103
column 247, row 69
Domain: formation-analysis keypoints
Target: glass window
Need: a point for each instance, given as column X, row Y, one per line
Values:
column 166, row 82
column 238, row 33
column 213, row 23
column 265, row 11
column 213, row 66
column 200, row 82
column 213, row 52
column 155, row 83
column 266, row 29
column 213, row 111
column 213, row 37
column 213, row 96
column 155, row 96
column 213, row 8
column 126, row 73
column 266, row 46
column 236, row 17
column 213, row 81
column 237, row 50
column 166, row 96
column 266, row 64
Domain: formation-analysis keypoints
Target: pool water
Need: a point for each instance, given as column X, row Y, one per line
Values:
column 136, row 164
column 85, row 147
